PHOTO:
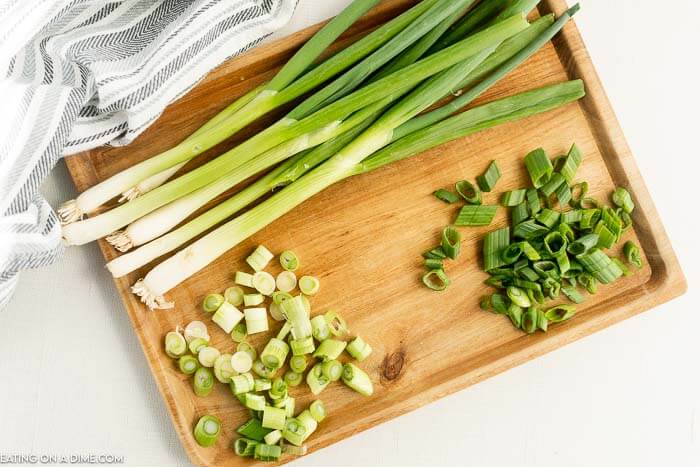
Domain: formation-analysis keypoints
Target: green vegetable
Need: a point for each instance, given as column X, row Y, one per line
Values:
column 583, row 245
column 487, row 181
column 560, row 313
column 470, row 193
column 330, row 349
column 530, row 320
column 212, row 302
column 451, row 242
column 316, row 380
column 292, row 378
column 357, row 379
column 188, row 364
column 274, row 354
column 436, row 279
column 572, row 162
column 513, row 198
column 336, row 323
column 253, row 429
column 223, row 370
column 245, row 447
column 358, row 349
column 302, row 346
column 294, row 431
column 175, row 344
column 298, row 363
column 309, row 285
column 267, row 453
column 446, row 196
column 633, row 254
column 332, row 369
column 319, row 328
column 475, row 215
column 243, row 383
column 572, row 294
column 239, row 332
column 318, row 410
column 623, row 199
column 203, row 381
column 289, row 260
column 259, row 258
column 207, row 430
column 254, row 402
column 539, row 167
column 234, row 295
column 273, row 418
column 494, row 243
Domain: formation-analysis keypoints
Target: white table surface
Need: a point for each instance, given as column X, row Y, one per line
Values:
column 74, row 380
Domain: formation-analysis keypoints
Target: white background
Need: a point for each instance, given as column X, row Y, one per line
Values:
column 73, row 378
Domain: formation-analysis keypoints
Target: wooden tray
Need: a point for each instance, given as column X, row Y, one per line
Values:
column 364, row 236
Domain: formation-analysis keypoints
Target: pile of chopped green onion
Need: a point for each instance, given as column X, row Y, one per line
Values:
column 313, row 349
column 556, row 244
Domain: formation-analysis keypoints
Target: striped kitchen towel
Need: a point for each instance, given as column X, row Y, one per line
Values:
column 76, row 74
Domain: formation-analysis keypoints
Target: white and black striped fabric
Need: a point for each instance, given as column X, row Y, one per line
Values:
column 76, row 74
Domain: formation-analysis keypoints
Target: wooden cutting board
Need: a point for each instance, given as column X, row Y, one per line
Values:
column 364, row 236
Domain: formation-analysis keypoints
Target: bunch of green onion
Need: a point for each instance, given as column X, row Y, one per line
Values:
column 367, row 114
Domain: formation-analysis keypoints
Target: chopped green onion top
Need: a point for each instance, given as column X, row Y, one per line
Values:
column 560, row 313
column 446, row 196
column 633, row 254
column 488, row 180
column 539, row 167
column 475, row 215
column 623, row 199
column 451, row 242
column 436, row 279
column 468, row 191
column 318, row 410
column 572, row 161
column 513, row 198
column 359, row 349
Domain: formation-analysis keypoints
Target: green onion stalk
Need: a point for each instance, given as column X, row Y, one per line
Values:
column 349, row 161
column 511, row 52
column 102, row 225
column 283, row 88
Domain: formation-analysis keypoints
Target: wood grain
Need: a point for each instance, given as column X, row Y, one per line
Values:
column 363, row 238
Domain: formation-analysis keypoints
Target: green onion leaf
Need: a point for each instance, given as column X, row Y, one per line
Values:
column 583, row 244
column 513, row 198
column 515, row 313
column 589, row 218
column 572, row 294
column 468, row 191
column 451, row 242
column 533, row 201
column 551, row 186
column 571, row 164
column 520, row 213
column 539, row 167
column 571, row 217
column 623, row 199
column 518, row 296
column 436, row 280
column 530, row 320
column 446, row 196
column 499, row 304
column 488, row 180
column 475, row 215
column 548, row 217
column 529, row 230
column 632, row 254
column 435, row 253
column 431, row 264
column 600, row 266
column 494, row 243
column 560, row 313
column 606, row 239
